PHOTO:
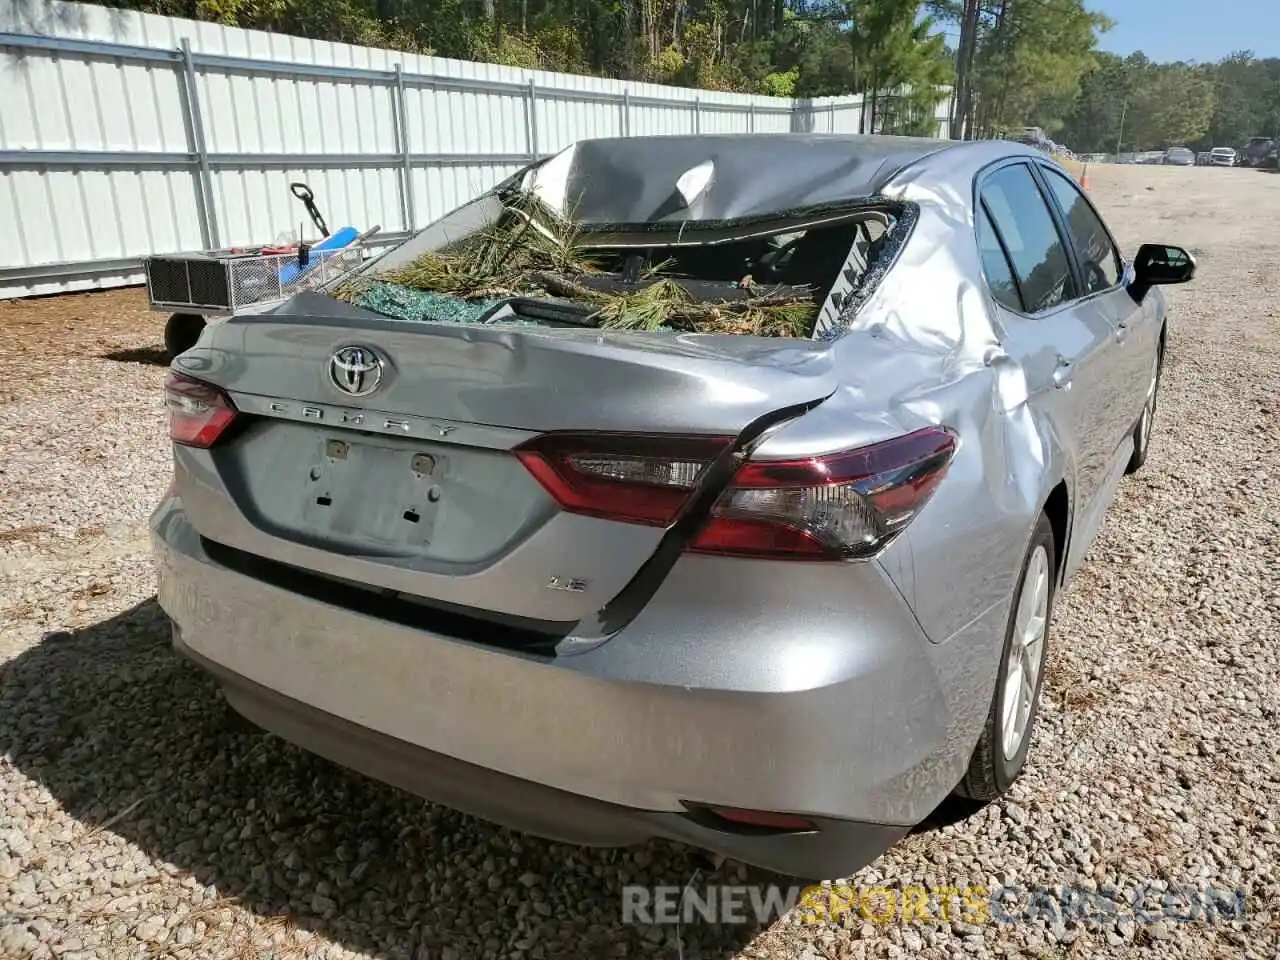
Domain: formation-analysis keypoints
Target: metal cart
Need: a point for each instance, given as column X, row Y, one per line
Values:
column 196, row 288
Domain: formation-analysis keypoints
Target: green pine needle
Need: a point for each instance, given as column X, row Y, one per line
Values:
column 531, row 251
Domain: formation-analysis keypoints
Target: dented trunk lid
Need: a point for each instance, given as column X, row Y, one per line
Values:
column 413, row 488
column 523, row 377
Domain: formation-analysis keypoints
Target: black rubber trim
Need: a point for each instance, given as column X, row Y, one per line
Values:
column 623, row 608
column 491, row 629
column 551, row 311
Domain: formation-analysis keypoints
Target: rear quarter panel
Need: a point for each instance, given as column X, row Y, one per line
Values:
column 959, row 557
column 926, row 348
column 956, row 564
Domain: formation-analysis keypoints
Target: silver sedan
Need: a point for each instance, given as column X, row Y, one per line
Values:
column 772, row 596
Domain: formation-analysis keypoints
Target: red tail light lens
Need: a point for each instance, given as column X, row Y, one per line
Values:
column 198, row 412
column 782, row 822
column 636, row 478
column 838, row 507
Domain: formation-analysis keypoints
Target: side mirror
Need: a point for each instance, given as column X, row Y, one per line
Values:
column 1159, row 264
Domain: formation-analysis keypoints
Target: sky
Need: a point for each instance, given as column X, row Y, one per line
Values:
column 1201, row 30
column 1191, row 29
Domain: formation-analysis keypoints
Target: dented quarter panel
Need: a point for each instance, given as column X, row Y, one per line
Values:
column 925, row 348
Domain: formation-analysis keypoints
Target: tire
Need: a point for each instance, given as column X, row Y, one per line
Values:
column 181, row 331
column 1142, row 430
column 998, row 760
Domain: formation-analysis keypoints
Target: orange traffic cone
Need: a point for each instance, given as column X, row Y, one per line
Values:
column 1084, row 178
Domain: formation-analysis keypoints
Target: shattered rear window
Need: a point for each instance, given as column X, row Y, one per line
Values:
column 528, row 265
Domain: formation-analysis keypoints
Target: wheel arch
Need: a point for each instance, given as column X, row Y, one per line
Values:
column 182, row 331
column 1057, row 507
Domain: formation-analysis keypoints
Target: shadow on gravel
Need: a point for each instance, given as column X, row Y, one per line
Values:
column 131, row 738
column 951, row 811
column 154, row 356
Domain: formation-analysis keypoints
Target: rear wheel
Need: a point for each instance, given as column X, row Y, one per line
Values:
column 181, row 331
column 1001, row 752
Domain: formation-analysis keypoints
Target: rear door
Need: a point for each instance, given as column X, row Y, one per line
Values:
column 1062, row 342
column 1102, row 273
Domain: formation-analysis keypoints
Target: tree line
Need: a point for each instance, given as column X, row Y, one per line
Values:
column 1027, row 63
column 1130, row 104
column 1009, row 63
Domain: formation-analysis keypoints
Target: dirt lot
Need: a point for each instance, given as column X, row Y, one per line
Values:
column 135, row 818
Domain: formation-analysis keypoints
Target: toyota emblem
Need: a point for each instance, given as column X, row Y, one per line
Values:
column 356, row 371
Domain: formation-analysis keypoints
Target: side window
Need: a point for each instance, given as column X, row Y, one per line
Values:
column 1020, row 214
column 996, row 265
column 1099, row 260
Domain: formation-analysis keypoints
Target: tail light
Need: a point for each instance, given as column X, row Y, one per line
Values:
column 838, row 507
column 631, row 477
column 843, row 506
column 779, row 822
column 198, row 412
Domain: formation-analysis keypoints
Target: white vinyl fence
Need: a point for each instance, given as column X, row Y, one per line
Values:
column 124, row 134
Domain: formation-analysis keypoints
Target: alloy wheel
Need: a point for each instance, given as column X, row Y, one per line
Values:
column 1026, row 656
column 1149, row 409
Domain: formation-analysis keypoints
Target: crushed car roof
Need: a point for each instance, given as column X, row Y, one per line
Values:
column 652, row 180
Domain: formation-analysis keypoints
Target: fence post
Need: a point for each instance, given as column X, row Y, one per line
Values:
column 626, row 113
column 407, row 206
column 751, row 117
column 831, row 113
column 196, row 144
column 697, row 115
column 531, row 119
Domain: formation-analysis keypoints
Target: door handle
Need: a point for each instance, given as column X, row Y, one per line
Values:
column 1122, row 331
column 1062, row 374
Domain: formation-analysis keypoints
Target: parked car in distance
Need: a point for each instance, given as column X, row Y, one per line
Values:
column 1256, row 151
column 775, row 597
column 1179, row 157
column 1203, row 159
column 1223, row 157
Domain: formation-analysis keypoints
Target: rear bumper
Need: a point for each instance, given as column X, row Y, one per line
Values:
column 832, row 705
column 838, row 848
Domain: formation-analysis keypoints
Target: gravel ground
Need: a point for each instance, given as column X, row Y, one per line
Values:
column 136, row 818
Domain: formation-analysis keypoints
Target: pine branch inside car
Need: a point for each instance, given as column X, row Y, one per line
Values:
column 769, row 284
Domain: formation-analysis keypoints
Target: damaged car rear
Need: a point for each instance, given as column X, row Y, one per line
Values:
column 707, row 488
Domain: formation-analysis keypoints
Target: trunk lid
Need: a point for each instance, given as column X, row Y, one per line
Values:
column 521, row 377
column 414, row 487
